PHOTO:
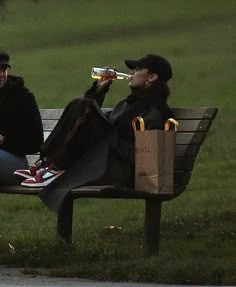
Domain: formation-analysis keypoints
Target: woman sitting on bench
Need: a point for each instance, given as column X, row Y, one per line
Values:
column 95, row 147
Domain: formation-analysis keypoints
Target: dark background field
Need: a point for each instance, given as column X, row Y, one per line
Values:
column 53, row 45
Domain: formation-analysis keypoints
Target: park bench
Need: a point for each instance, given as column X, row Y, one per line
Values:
column 194, row 123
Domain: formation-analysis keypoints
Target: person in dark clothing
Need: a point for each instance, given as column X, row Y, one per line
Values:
column 21, row 130
column 98, row 148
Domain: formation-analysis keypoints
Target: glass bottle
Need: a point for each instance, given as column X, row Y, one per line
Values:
column 107, row 73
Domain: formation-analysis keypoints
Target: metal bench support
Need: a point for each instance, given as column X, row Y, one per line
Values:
column 152, row 226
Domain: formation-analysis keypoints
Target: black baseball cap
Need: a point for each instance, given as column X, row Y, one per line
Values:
column 155, row 64
column 4, row 59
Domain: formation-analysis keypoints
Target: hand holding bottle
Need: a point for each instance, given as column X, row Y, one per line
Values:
column 103, row 79
column 102, row 83
column 106, row 75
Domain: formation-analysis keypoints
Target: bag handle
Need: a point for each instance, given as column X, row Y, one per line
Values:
column 168, row 122
column 141, row 124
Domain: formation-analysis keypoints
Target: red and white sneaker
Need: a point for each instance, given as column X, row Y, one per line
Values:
column 31, row 172
column 42, row 178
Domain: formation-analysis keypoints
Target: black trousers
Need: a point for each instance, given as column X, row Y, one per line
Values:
column 83, row 143
column 81, row 125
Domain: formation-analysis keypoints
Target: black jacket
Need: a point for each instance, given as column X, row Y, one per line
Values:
column 20, row 120
column 149, row 103
column 110, row 157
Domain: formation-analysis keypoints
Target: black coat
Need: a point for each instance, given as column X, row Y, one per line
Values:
column 20, row 120
column 110, row 160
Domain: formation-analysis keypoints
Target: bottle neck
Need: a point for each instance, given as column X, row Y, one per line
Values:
column 122, row 76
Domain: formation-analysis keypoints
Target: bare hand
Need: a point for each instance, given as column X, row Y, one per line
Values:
column 1, row 139
column 104, row 82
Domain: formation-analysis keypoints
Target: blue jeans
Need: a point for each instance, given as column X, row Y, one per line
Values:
column 8, row 164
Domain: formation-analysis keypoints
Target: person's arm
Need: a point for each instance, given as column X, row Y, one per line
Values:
column 98, row 91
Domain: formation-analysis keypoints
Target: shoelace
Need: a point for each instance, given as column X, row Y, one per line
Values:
column 34, row 169
column 39, row 176
column 38, row 165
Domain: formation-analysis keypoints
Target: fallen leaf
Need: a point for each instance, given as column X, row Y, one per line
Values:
column 112, row 227
column 12, row 248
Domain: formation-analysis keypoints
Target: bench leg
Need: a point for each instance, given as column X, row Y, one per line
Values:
column 152, row 226
column 65, row 219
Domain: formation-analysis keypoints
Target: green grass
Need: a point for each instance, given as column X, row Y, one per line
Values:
column 197, row 245
column 55, row 49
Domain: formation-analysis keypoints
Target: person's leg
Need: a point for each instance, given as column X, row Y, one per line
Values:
column 79, row 127
column 8, row 164
column 88, row 128
column 59, row 135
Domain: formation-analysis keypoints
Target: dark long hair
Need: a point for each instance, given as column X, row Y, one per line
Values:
column 156, row 93
column 159, row 91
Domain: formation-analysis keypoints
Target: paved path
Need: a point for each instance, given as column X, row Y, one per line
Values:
column 26, row 281
column 8, row 281
column 12, row 277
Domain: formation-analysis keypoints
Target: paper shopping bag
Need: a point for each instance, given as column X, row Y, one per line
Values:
column 154, row 158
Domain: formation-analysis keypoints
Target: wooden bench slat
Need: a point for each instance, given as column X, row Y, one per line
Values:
column 19, row 189
column 186, row 150
column 48, row 125
column 184, row 125
column 191, row 119
column 32, row 158
column 190, row 138
column 115, row 192
column 179, row 113
column 52, row 114
column 194, row 125
column 46, row 134
column 189, row 113
column 194, row 113
column 181, row 137
column 97, row 192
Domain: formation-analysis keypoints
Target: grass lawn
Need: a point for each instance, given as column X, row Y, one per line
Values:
column 54, row 49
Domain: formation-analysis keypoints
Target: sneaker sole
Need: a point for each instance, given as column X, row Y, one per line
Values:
column 33, row 184
column 41, row 184
column 23, row 175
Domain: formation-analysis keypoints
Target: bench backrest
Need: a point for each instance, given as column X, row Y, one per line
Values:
column 194, row 124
